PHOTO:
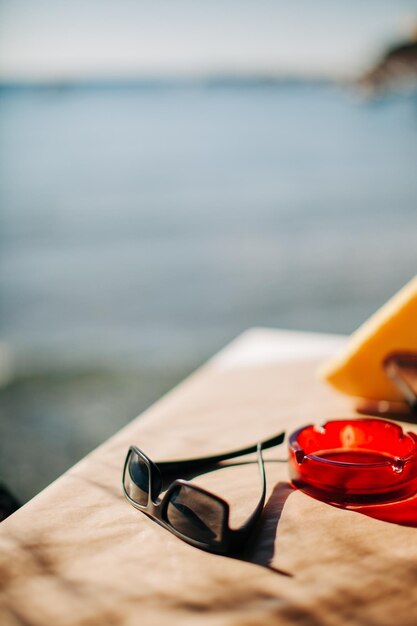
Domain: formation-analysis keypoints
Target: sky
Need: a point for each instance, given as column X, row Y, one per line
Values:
column 81, row 39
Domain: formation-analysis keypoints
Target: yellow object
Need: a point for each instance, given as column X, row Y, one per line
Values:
column 358, row 369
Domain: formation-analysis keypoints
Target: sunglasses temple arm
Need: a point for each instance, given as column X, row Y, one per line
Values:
column 191, row 464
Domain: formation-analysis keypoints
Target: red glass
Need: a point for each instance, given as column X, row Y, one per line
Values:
column 354, row 461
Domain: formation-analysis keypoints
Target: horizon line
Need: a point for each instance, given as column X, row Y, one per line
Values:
column 213, row 79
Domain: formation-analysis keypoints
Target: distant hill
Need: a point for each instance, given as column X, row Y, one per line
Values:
column 395, row 71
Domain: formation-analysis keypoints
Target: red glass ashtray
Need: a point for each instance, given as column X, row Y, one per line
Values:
column 354, row 461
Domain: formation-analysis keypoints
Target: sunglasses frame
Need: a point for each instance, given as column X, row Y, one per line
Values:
column 396, row 366
column 231, row 539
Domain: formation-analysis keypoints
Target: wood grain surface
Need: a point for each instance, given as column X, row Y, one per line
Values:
column 78, row 554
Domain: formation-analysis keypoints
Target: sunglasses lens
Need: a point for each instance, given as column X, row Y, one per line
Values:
column 196, row 515
column 136, row 479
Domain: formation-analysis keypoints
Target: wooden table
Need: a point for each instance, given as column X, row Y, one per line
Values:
column 78, row 554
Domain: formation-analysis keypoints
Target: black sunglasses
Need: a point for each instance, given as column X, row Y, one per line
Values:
column 189, row 512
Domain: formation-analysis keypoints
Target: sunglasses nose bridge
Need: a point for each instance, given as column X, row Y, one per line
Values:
column 153, row 508
column 155, row 483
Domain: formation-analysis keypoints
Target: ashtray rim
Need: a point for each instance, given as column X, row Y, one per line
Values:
column 300, row 453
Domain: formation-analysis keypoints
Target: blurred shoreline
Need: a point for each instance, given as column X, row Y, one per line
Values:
column 213, row 81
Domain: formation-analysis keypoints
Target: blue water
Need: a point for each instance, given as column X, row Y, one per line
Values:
column 145, row 227
column 154, row 224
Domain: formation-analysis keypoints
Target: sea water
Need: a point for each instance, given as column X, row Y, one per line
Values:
column 148, row 225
